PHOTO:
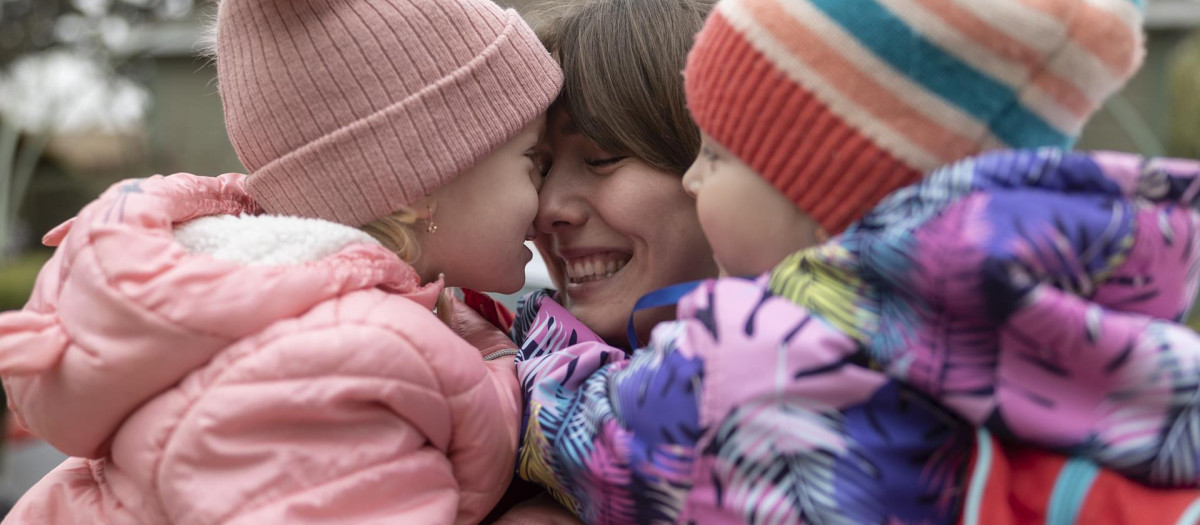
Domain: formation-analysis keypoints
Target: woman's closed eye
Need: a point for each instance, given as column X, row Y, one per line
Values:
column 604, row 162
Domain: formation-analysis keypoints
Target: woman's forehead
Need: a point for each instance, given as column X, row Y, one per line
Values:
column 559, row 120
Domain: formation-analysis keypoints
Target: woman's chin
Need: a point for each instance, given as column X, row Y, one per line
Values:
column 607, row 318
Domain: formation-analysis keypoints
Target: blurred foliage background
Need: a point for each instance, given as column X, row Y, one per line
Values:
column 93, row 91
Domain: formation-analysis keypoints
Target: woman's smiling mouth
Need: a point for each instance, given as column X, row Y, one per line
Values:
column 595, row 266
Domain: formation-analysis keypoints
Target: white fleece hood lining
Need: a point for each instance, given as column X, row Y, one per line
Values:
column 267, row 240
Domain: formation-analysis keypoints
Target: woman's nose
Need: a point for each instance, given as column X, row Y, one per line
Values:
column 562, row 202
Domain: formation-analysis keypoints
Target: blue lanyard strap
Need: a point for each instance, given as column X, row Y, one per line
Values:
column 662, row 297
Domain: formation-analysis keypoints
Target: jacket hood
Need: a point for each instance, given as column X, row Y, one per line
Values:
column 155, row 278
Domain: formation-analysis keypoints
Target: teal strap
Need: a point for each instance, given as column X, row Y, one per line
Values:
column 668, row 296
column 979, row 477
column 1070, row 490
column 1191, row 516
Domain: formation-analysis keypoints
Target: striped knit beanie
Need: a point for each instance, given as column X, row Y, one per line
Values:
column 839, row 102
column 347, row 110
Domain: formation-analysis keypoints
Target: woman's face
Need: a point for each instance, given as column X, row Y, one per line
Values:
column 613, row 229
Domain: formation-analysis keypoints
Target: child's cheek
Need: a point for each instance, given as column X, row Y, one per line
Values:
column 718, row 215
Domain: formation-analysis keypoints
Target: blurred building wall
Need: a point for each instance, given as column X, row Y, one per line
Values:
column 186, row 127
column 187, row 130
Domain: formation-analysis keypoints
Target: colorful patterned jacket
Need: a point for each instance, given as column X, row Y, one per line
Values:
column 1034, row 294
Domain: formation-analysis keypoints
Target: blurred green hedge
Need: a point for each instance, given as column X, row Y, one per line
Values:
column 17, row 276
column 1184, row 92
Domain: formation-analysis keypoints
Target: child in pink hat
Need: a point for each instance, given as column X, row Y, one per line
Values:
column 275, row 347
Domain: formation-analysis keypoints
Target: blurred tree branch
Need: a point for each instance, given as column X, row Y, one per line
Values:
column 59, row 75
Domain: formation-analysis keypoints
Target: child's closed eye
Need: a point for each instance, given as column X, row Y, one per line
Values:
column 540, row 161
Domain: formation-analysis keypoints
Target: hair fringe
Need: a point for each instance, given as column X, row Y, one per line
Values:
column 621, row 63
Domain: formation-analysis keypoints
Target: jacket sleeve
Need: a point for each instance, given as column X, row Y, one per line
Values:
column 1048, row 312
column 1118, row 388
column 1088, row 291
column 604, row 432
column 316, row 427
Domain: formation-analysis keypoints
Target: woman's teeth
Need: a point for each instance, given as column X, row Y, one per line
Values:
column 595, row 267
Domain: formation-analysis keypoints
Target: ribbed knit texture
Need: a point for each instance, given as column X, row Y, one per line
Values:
column 840, row 102
column 347, row 110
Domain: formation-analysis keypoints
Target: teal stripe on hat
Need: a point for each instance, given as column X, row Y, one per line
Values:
column 941, row 73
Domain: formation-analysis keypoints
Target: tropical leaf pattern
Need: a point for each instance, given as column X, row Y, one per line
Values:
column 613, row 438
column 1034, row 293
column 775, row 460
column 528, row 308
column 1040, row 297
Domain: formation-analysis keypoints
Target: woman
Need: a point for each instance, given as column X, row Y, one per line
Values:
column 615, row 222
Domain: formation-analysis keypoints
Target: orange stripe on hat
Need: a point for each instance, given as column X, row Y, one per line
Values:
column 786, row 133
column 1110, row 38
column 813, row 53
column 1113, row 40
column 1062, row 91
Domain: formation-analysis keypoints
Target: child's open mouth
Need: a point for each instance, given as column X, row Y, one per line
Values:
column 595, row 267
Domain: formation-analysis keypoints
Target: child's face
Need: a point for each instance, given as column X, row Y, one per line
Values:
column 484, row 217
column 750, row 225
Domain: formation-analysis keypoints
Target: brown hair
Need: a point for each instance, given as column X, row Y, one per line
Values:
column 623, row 86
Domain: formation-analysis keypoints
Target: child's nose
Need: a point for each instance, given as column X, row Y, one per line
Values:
column 692, row 181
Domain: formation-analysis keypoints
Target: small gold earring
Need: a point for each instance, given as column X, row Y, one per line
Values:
column 432, row 227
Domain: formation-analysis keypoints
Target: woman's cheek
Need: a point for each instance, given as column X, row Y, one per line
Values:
column 554, row 265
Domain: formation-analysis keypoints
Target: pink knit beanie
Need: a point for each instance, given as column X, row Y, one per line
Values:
column 347, row 110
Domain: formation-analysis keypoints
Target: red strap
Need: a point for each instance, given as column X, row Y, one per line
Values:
column 497, row 314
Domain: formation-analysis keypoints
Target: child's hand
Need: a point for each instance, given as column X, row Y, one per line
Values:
column 477, row 330
column 496, row 313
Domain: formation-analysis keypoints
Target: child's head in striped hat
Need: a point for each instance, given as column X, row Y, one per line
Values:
column 837, row 103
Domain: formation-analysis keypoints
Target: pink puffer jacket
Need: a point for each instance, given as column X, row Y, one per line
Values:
column 247, row 369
